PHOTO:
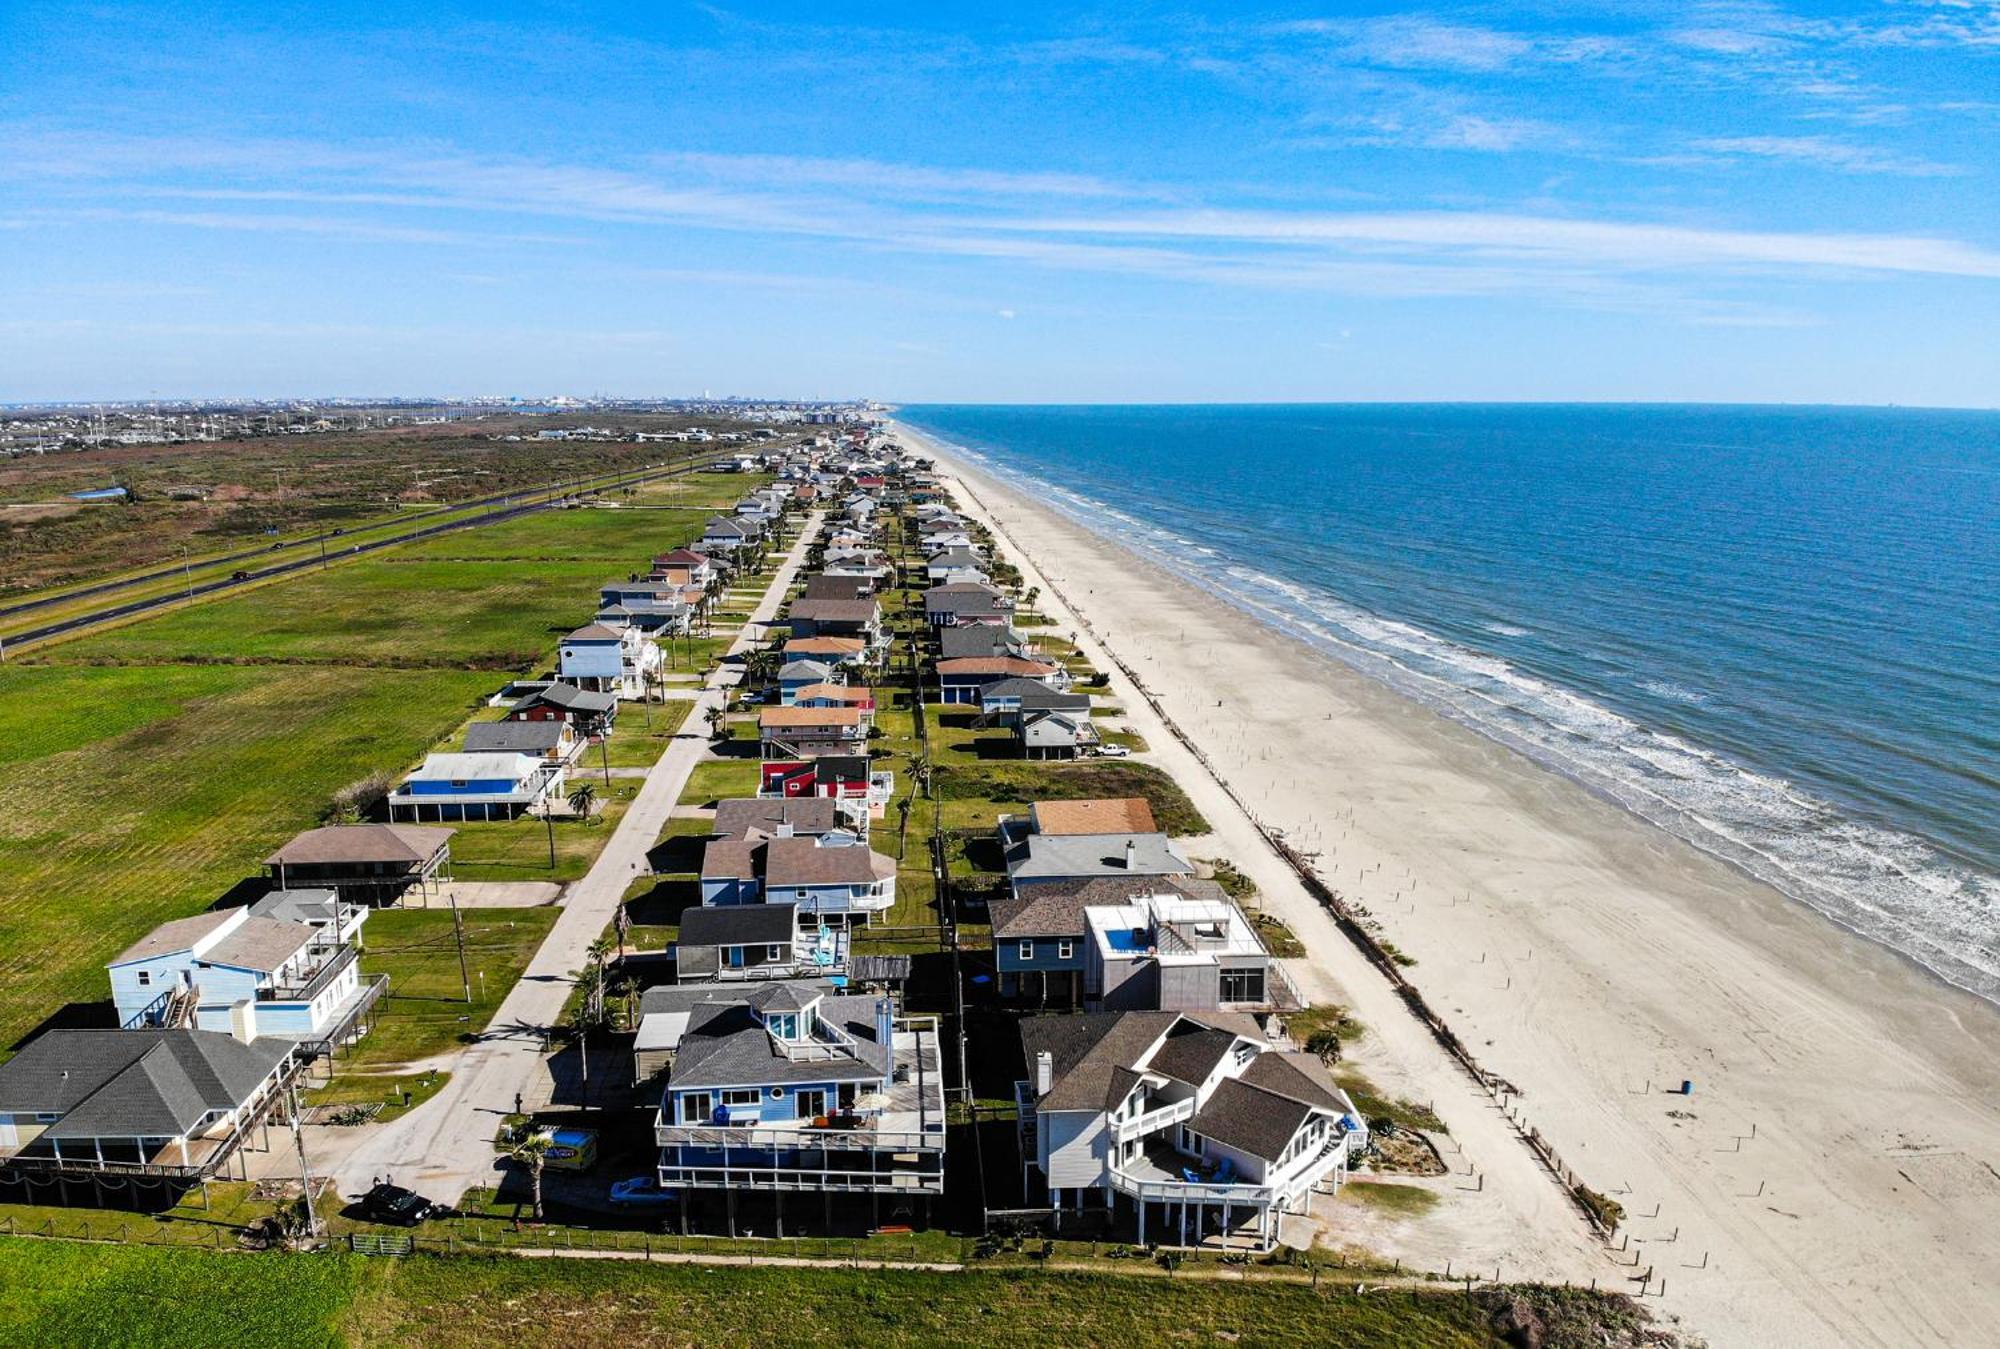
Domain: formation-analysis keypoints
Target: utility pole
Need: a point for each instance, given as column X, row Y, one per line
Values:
column 458, row 932
column 305, row 1173
column 187, row 573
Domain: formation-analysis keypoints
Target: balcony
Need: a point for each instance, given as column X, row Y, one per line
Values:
column 1153, row 1121
column 314, row 979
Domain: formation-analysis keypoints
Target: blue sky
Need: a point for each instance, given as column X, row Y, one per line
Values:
column 1730, row 201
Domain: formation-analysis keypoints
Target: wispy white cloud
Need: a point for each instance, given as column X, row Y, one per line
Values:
column 876, row 176
column 1825, row 153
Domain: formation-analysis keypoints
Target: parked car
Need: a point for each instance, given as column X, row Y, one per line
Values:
column 1114, row 751
column 388, row 1203
column 240, row 574
column 642, row 1191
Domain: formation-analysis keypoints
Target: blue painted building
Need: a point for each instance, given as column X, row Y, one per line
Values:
column 790, row 1087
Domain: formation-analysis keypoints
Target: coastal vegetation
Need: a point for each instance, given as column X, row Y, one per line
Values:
column 67, row 1293
column 227, row 495
column 157, row 764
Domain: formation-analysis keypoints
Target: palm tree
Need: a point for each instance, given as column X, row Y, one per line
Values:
column 597, row 951
column 581, row 798
column 533, row 1152
column 718, row 720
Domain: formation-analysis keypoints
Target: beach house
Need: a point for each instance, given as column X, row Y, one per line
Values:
column 794, row 675
column 476, row 786
column 155, row 1107
column 842, row 777
column 365, row 863
column 837, row 618
column 790, row 1088
column 1040, row 937
column 607, row 659
column 554, row 741
column 834, row 876
column 738, row 942
column 962, row 603
column 965, row 679
column 809, row 729
column 1082, row 840
column 589, row 711
column 1186, row 1124
column 236, row 973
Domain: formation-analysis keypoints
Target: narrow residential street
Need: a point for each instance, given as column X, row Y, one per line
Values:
column 445, row 1146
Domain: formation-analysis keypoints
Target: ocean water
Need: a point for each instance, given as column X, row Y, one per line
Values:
column 1774, row 631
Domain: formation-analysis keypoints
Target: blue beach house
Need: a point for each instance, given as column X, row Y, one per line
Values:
column 790, row 1087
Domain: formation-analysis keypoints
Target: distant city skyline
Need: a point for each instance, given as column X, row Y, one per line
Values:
column 1733, row 201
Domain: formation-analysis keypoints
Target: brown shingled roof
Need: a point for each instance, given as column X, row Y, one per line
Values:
column 994, row 665
column 1118, row 815
column 362, row 843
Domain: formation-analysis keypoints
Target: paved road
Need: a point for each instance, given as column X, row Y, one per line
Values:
column 445, row 1146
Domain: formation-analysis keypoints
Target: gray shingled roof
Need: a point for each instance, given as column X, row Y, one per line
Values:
column 1037, row 857
column 1250, row 1119
column 726, row 1046
column 513, row 737
column 738, row 925
column 571, row 697
column 1299, row 1076
column 1087, row 1050
column 1190, row 1055
column 983, row 639
column 176, row 934
column 807, row 815
column 683, row 997
column 299, row 906
column 134, row 1083
column 782, row 997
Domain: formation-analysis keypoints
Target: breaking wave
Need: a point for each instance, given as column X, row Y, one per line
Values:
column 1892, row 887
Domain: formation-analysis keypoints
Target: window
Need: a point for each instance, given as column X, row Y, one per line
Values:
column 145, row 978
column 774, row 952
column 777, row 1093
column 1066, row 949
column 1027, row 950
column 1244, row 1053
column 742, row 1096
column 695, row 1108
column 458, row 782
column 785, row 1027
column 1245, row 985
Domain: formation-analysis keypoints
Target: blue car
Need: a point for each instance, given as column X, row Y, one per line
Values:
column 642, row 1191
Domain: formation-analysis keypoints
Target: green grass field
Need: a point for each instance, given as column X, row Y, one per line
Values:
column 426, row 1011
column 156, row 765
column 67, row 1293
column 388, row 612
column 150, row 800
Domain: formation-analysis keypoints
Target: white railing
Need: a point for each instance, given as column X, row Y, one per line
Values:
column 1153, row 1120
column 796, row 1136
column 1332, row 1156
column 824, row 1041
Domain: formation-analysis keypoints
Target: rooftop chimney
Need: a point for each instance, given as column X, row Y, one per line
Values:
column 1045, row 1072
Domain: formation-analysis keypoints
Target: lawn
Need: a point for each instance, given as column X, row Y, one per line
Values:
column 391, row 611
column 69, row 1293
column 155, row 766
column 518, row 850
column 426, row 1011
column 621, row 541
column 144, row 795
column 973, row 796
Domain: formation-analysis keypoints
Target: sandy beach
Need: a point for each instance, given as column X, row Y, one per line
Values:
column 1831, row 1179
